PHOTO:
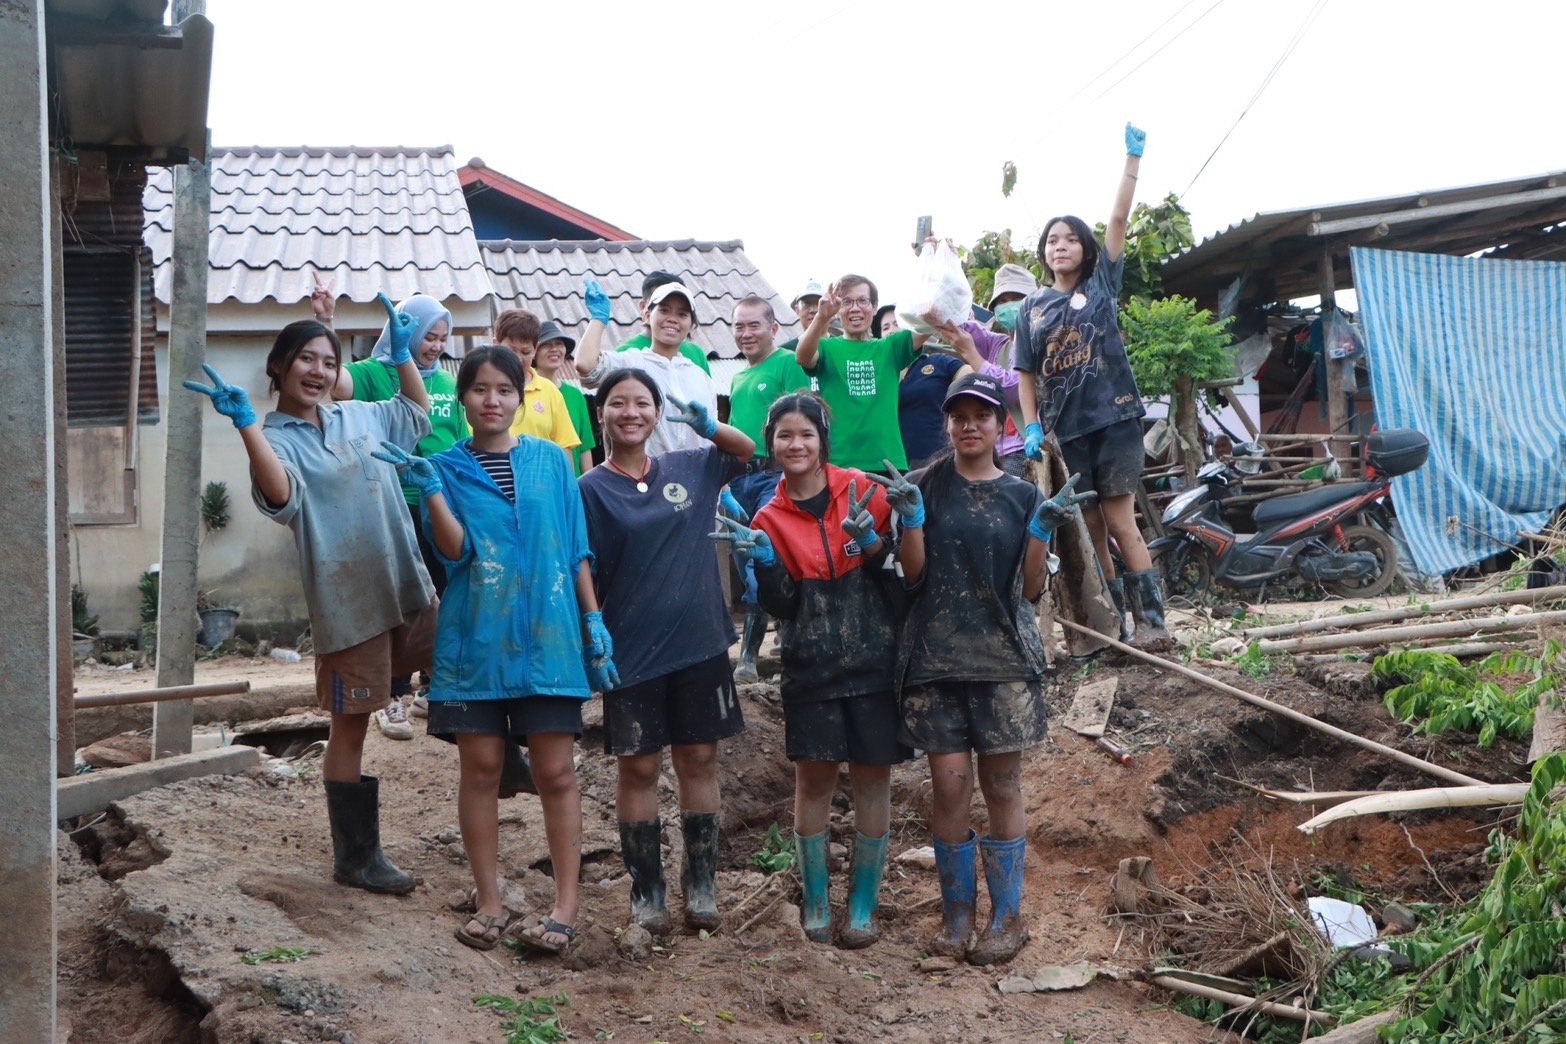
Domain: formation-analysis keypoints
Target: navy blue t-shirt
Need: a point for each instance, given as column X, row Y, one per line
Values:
column 1084, row 378
column 919, row 399
column 656, row 570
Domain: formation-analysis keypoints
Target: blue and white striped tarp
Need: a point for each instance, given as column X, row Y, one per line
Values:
column 1472, row 352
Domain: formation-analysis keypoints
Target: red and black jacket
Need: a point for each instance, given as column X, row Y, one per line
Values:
column 839, row 602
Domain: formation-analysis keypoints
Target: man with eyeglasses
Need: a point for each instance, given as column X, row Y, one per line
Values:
column 858, row 375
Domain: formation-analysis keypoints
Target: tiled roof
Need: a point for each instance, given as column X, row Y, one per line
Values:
column 391, row 219
column 546, row 276
column 475, row 175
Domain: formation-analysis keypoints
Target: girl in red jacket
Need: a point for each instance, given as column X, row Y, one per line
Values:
column 822, row 564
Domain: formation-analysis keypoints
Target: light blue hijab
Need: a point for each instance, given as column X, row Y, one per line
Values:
column 428, row 312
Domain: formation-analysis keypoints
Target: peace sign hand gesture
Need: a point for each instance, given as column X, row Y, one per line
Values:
column 415, row 471
column 323, row 302
column 399, row 331
column 1053, row 513
column 903, row 495
column 860, row 524
column 695, row 414
column 751, row 544
column 228, row 400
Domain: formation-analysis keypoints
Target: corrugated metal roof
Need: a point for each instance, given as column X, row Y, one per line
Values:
column 1285, row 247
column 546, row 276
column 388, row 219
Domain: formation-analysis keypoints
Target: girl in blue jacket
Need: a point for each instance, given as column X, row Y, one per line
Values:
column 504, row 514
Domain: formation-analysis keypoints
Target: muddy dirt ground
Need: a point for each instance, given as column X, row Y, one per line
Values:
column 162, row 899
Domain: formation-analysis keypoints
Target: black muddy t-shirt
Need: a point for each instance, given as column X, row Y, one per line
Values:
column 969, row 620
column 1084, row 378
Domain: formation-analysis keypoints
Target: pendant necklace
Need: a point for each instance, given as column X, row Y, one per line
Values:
column 640, row 480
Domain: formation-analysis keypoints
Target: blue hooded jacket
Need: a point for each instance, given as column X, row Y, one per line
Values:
column 509, row 624
column 429, row 312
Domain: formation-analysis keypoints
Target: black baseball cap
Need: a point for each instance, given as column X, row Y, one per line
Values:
column 980, row 386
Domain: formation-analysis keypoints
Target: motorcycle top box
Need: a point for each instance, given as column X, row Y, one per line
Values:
column 1397, row 451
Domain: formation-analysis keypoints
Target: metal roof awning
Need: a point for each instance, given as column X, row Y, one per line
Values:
column 1284, row 251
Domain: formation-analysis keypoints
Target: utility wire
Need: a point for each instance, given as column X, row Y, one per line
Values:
column 1155, row 54
column 1294, row 41
column 1080, row 91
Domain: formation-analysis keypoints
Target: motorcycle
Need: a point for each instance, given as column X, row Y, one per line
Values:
column 1323, row 536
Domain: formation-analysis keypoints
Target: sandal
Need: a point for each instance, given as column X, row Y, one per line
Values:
column 533, row 938
column 496, row 923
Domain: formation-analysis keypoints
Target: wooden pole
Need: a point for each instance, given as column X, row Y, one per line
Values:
column 1459, row 649
column 1337, row 412
column 1440, row 772
column 1418, row 632
column 1244, row 1003
column 1450, row 605
column 175, row 692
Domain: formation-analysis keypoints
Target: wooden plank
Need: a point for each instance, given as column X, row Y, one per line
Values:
column 1549, row 728
column 95, row 791
column 1450, row 605
column 1090, row 707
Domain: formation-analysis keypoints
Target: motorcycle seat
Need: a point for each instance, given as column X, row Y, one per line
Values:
column 1298, row 505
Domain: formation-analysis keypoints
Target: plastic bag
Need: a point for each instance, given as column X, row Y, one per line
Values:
column 939, row 290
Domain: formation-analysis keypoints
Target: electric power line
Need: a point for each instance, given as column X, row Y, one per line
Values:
column 1158, row 52
column 1080, row 91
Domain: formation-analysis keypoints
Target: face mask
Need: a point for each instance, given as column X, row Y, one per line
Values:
column 1006, row 315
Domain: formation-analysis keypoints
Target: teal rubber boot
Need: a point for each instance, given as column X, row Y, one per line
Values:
column 864, row 892
column 959, row 896
column 1004, row 862
column 815, row 912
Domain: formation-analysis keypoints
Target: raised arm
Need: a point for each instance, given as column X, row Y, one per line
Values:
column 266, row 470
column 400, row 329
column 1125, row 191
column 808, row 352
column 590, row 348
column 727, row 438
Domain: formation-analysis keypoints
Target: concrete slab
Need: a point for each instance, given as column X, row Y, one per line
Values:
column 95, row 791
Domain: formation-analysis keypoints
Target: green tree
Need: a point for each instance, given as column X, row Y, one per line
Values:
column 1174, row 346
column 992, row 250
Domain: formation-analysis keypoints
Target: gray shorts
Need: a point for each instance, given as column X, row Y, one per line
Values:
column 862, row 730
column 1109, row 460
column 953, row 717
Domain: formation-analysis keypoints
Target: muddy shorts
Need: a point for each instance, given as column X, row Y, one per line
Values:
column 952, row 717
column 859, row 729
column 1109, row 460
column 695, row 704
column 358, row 679
column 519, row 718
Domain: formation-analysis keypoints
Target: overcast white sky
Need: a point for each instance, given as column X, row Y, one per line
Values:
column 818, row 130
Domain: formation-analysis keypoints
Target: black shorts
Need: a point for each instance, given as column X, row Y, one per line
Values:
column 519, row 718
column 952, row 717
column 863, row 730
column 1109, row 460
column 695, row 704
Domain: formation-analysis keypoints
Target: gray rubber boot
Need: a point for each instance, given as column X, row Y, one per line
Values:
column 1147, row 608
column 641, row 846
column 750, row 644
column 1117, row 594
column 354, row 810
column 698, row 879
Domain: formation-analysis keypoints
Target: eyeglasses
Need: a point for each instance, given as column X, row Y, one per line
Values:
column 857, row 302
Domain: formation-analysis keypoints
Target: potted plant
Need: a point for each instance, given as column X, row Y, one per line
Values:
column 217, row 621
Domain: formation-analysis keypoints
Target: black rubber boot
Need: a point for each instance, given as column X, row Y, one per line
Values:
column 750, row 644
column 641, row 845
column 516, row 775
column 354, row 810
column 1147, row 608
column 1117, row 594
column 698, row 878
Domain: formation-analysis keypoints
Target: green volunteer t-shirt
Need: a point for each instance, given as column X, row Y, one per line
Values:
column 581, row 420
column 691, row 351
column 859, row 383
column 755, row 388
column 376, row 382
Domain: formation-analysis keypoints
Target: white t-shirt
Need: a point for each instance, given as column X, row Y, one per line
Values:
column 678, row 377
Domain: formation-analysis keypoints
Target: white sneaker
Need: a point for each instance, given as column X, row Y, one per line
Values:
column 393, row 721
column 421, row 704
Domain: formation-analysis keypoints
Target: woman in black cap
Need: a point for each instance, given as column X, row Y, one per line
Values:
column 554, row 353
column 971, row 658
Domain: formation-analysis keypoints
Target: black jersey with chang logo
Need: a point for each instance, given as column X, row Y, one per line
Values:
column 1072, row 342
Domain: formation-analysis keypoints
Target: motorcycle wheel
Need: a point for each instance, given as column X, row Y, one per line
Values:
column 1378, row 543
column 1187, row 574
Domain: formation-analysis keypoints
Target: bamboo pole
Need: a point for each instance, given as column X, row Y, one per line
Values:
column 1239, row 1000
column 1439, row 771
column 1418, row 632
column 1305, row 437
column 1415, row 800
column 1458, row 649
column 170, row 692
column 1451, row 605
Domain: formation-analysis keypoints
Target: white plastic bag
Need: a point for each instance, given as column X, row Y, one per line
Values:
column 939, row 290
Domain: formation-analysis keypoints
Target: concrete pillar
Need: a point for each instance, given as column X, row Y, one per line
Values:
column 65, row 668
column 27, row 555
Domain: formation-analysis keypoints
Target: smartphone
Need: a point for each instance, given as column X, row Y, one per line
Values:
column 922, row 231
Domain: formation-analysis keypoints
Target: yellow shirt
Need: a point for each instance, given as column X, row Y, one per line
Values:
column 543, row 414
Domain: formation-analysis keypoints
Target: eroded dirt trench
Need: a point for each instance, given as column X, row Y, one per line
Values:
column 162, row 899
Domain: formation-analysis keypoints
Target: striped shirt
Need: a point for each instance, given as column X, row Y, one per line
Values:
column 498, row 467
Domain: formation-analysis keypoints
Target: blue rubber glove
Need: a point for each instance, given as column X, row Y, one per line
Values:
column 415, row 471
column 750, row 544
column 1033, row 441
column 1136, row 140
column 903, row 496
column 599, row 645
column 860, row 524
column 228, row 400
column 695, row 414
column 597, row 302
column 731, row 507
column 1054, row 512
column 602, row 675
column 399, row 331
